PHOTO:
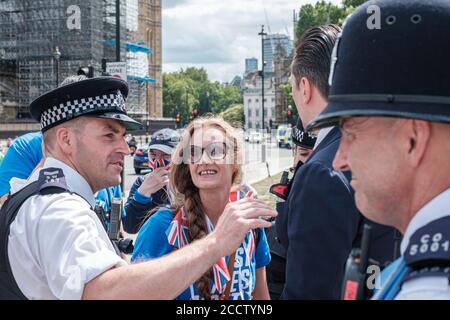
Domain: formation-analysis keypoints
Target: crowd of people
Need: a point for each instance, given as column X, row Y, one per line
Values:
column 371, row 152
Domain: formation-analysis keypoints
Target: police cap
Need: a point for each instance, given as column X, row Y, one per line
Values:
column 302, row 138
column 391, row 59
column 102, row 97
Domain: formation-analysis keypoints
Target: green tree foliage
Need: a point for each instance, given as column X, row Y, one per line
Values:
column 323, row 12
column 190, row 89
column 287, row 92
column 234, row 115
column 352, row 3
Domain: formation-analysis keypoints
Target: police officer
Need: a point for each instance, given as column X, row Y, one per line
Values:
column 54, row 245
column 302, row 145
column 390, row 93
column 323, row 224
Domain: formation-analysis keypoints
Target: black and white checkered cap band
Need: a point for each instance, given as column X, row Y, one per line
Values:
column 71, row 109
column 307, row 138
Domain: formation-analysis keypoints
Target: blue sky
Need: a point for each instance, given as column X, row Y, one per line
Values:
column 219, row 34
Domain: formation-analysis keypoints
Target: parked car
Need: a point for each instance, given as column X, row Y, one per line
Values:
column 284, row 137
column 255, row 136
column 140, row 160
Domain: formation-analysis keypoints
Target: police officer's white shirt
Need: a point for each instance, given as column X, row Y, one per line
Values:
column 56, row 243
column 321, row 135
column 433, row 287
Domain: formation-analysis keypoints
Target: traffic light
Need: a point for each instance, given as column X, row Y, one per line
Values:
column 178, row 119
column 195, row 113
column 289, row 116
column 86, row 71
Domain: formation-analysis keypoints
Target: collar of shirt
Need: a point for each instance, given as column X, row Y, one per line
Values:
column 17, row 184
column 322, row 134
column 74, row 180
column 437, row 208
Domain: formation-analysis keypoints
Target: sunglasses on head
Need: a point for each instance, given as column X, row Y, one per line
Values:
column 215, row 151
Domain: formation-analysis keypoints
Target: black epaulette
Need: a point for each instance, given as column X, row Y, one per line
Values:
column 428, row 252
column 51, row 180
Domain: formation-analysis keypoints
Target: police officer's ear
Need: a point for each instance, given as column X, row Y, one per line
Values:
column 419, row 135
column 306, row 88
column 65, row 138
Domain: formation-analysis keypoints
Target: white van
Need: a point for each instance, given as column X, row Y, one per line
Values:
column 284, row 137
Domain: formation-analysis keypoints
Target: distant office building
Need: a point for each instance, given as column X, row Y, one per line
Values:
column 253, row 101
column 237, row 82
column 272, row 43
column 251, row 64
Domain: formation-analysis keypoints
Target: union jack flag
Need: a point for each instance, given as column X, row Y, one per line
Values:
column 221, row 275
column 249, row 245
column 177, row 233
column 155, row 163
column 249, row 241
column 239, row 195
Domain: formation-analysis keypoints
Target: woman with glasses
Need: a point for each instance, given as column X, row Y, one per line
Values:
column 207, row 165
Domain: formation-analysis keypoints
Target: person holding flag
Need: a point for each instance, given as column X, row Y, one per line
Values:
column 206, row 176
column 150, row 191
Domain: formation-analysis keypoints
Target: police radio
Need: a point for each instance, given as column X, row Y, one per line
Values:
column 397, row 241
column 114, row 218
column 111, row 222
column 354, row 284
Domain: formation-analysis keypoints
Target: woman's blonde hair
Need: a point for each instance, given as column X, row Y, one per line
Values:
column 186, row 194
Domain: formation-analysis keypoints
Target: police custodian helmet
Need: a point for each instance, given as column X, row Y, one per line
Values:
column 391, row 59
column 101, row 97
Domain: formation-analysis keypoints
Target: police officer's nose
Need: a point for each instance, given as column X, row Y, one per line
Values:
column 340, row 159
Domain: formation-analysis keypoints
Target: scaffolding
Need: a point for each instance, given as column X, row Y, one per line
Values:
column 150, row 32
column 282, row 70
column 31, row 30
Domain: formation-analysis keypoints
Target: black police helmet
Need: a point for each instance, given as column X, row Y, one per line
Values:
column 391, row 59
column 102, row 97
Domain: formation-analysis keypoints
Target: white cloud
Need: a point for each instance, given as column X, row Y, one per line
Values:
column 219, row 34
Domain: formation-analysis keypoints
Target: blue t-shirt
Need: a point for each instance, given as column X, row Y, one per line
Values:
column 22, row 157
column 104, row 197
column 152, row 243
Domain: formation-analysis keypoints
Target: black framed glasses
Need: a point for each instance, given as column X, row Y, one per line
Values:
column 215, row 151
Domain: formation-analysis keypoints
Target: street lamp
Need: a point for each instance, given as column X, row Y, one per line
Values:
column 186, row 98
column 263, row 145
column 262, row 34
column 57, row 57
